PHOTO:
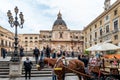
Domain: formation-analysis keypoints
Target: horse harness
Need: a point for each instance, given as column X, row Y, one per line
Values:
column 64, row 61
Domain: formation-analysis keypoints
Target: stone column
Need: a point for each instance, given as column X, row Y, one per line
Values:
column 15, row 69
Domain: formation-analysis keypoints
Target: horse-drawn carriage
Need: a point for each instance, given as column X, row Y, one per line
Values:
column 77, row 67
column 100, row 74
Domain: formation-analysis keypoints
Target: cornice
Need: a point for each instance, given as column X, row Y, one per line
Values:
column 103, row 14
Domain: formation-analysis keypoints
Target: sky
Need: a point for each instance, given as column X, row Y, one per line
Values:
column 41, row 14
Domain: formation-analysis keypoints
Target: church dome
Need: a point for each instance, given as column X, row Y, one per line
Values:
column 59, row 20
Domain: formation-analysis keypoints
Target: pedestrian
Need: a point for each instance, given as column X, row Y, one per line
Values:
column 43, row 52
column 36, row 53
column 63, row 53
column 21, row 51
column 85, row 59
column 54, row 54
column 54, row 77
column 42, row 55
column 27, row 66
column 72, row 54
column 4, row 53
column 48, row 51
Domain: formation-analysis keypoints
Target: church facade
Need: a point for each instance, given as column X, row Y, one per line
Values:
column 59, row 38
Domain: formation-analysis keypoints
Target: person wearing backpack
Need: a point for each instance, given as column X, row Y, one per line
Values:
column 27, row 66
column 36, row 54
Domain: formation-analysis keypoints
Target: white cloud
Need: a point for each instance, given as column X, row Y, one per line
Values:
column 41, row 14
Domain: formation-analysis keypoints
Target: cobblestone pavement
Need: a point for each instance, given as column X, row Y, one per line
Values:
column 42, row 78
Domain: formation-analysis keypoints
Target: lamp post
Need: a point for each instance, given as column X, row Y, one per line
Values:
column 15, row 23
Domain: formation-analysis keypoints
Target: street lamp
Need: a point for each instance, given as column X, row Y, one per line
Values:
column 15, row 23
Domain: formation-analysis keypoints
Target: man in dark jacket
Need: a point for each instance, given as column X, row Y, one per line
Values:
column 4, row 52
column 36, row 53
column 27, row 66
column 48, row 51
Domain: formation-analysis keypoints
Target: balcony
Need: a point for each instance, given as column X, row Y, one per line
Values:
column 106, row 34
column 115, row 31
column 95, row 39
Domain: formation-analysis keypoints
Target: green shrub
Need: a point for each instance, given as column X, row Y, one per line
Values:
column 86, row 52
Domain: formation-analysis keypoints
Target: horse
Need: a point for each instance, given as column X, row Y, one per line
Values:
column 74, row 66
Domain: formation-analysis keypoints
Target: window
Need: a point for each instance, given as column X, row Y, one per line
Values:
column 90, row 29
column 95, row 34
column 9, row 44
column 107, row 28
column 90, row 37
column 50, row 36
column 116, row 25
column 95, row 26
column 5, row 43
column 76, row 37
column 26, row 41
column 90, row 45
column 2, row 43
column 107, row 17
column 36, row 37
column 44, row 36
column 2, row 35
column 115, row 12
column 61, row 34
column 100, row 22
column 100, row 41
column 116, row 37
column 95, row 42
column 31, row 41
column 30, row 37
column 100, row 32
column 36, row 41
column 26, row 37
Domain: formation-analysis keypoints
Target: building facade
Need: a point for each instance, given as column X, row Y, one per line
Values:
column 6, row 40
column 104, row 28
column 60, row 38
column 29, row 41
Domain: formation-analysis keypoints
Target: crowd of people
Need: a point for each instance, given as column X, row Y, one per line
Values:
column 48, row 52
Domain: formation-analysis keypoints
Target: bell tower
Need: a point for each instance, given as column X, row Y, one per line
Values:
column 107, row 4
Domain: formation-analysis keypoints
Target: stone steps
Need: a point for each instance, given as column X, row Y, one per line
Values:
column 4, row 69
column 46, row 72
column 4, row 76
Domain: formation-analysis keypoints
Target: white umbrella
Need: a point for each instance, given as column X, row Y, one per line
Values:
column 103, row 47
column 93, row 48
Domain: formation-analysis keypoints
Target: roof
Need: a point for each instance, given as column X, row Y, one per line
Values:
column 59, row 20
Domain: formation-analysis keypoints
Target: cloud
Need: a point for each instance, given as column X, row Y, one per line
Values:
column 41, row 14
